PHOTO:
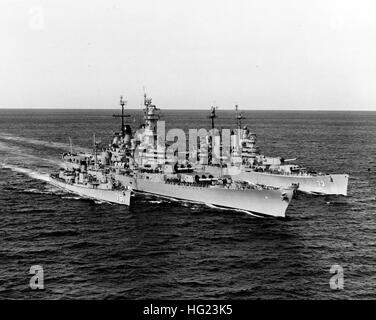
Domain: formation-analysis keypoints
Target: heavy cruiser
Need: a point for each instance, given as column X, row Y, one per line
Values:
column 249, row 165
column 222, row 192
column 137, row 162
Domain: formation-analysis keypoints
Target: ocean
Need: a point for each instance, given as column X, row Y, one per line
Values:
column 166, row 249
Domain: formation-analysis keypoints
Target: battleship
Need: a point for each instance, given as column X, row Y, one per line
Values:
column 136, row 161
column 248, row 164
column 82, row 175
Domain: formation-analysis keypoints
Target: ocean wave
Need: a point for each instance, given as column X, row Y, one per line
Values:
column 336, row 203
column 57, row 233
column 215, row 253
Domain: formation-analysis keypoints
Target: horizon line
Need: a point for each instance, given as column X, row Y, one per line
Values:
column 191, row 109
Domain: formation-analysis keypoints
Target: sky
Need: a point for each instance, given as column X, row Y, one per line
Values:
column 264, row 54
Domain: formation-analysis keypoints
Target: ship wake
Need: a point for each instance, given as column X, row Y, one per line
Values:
column 43, row 143
column 30, row 173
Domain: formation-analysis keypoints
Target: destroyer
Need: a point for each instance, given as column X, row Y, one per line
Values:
column 84, row 177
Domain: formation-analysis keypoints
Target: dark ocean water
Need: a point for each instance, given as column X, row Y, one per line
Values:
column 159, row 248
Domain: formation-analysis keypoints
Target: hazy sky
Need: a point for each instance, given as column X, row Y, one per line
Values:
column 189, row 53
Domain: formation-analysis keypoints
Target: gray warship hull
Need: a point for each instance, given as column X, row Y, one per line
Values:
column 335, row 184
column 265, row 202
column 122, row 197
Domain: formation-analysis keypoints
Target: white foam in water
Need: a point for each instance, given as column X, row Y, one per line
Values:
column 32, row 190
column 232, row 209
column 72, row 198
column 20, row 152
column 250, row 213
column 52, row 144
column 103, row 202
column 55, row 190
column 29, row 172
column 4, row 147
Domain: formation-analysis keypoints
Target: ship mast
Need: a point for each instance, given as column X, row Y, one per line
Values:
column 239, row 117
column 211, row 136
column 151, row 118
column 150, row 115
column 95, row 150
column 122, row 115
column 71, row 145
column 212, row 116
